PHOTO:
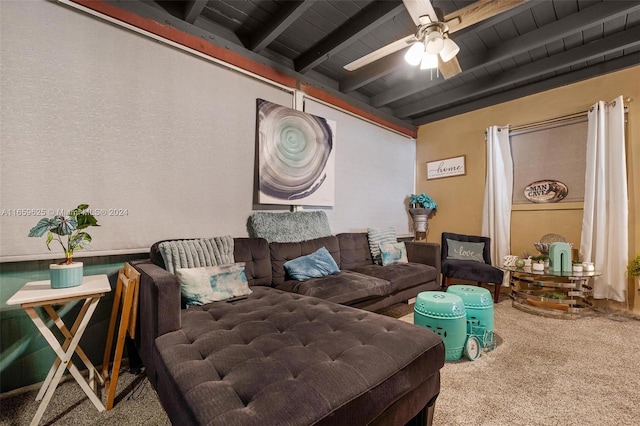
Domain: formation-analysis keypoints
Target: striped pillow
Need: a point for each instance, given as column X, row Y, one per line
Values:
column 379, row 236
column 196, row 253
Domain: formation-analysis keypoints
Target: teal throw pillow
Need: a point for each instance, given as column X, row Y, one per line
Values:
column 393, row 253
column 463, row 250
column 208, row 284
column 379, row 236
column 315, row 265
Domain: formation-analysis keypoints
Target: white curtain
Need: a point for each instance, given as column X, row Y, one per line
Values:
column 498, row 194
column 605, row 233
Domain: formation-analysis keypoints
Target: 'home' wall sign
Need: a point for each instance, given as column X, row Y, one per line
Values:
column 446, row 167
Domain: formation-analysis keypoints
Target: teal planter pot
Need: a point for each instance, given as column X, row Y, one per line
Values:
column 63, row 276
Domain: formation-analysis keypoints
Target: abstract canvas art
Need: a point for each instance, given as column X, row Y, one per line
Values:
column 296, row 157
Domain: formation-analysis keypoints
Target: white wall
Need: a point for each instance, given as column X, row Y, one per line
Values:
column 93, row 113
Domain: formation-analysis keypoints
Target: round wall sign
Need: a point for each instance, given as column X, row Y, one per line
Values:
column 546, row 191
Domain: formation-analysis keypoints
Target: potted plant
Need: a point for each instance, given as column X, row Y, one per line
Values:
column 634, row 269
column 421, row 208
column 576, row 266
column 538, row 263
column 67, row 273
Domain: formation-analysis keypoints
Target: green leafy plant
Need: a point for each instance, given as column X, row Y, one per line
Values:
column 554, row 295
column 71, row 226
column 540, row 259
column 634, row 267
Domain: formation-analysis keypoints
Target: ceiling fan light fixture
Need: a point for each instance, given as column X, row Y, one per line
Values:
column 415, row 53
column 449, row 50
column 433, row 42
column 429, row 61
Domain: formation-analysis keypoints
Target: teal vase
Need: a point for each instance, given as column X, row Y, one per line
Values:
column 64, row 276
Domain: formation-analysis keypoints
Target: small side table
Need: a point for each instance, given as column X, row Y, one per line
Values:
column 40, row 294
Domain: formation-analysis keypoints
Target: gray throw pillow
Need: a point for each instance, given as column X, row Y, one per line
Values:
column 463, row 250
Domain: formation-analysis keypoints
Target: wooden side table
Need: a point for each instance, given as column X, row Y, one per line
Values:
column 40, row 294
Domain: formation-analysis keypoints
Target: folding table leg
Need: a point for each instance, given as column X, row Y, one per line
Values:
column 65, row 355
column 69, row 335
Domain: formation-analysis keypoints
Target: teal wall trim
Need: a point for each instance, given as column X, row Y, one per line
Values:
column 25, row 357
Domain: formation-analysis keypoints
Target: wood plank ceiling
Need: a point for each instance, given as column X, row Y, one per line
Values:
column 538, row 45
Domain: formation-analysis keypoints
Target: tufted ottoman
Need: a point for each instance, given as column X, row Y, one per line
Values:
column 279, row 358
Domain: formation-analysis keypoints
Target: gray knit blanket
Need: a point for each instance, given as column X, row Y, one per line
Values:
column 289, row 227
column 197, row 253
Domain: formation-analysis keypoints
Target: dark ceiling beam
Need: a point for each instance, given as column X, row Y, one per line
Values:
column 375, row 70
column 490, row 22
column 223, row 50
column 364, row 22
column 193, row 9
column 598, row 69
column 213, row 32
column 478, row 11
column 291, row 11
column 596, row 49
column 572, row 24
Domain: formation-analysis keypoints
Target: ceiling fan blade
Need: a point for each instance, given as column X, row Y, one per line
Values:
column 449, row 68
column 381, row 53
column 476, row 12
column 418, row 8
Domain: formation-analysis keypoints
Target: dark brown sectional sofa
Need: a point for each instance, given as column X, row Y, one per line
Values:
column 294, row 353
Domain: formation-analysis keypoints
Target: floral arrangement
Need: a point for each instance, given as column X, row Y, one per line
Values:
column 423, row 200
column 69, row 226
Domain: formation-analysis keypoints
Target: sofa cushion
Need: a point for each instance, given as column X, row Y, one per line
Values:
column 315, row 265
column 345, row 287
column 377, row 237
column 195, row 253
column 254, row 252
column 401, row 275
column 391, row 253
column 354, row 250
column 200, row 286
column 282, row 358
column 283, row 252
column 289, row 227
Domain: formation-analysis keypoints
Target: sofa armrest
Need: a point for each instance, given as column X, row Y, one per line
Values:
column 426, row 253
column 158, row 305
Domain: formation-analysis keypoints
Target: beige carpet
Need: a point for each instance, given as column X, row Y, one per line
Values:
column 136, row 403
column 547, row 371
column 544, row 371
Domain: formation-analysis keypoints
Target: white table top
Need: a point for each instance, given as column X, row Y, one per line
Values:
column 41, row 291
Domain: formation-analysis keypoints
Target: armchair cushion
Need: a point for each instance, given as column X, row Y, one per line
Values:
column 473, row 271
column 486, row 252
column 465, row 250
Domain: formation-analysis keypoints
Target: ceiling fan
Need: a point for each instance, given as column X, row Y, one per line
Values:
column 430, row 46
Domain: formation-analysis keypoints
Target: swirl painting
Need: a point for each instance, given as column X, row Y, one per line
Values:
column 296, row 157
